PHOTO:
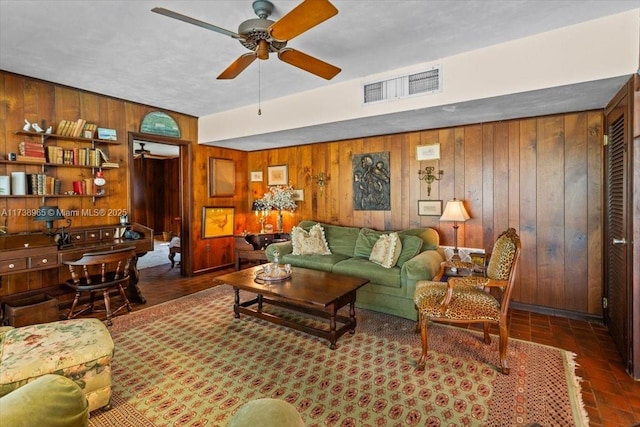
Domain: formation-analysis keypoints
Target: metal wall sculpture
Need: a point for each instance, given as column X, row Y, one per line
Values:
column 371, row 182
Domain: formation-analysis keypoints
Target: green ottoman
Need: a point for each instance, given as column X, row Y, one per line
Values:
column 50, row 400
column 266, row 412
column 79, row 349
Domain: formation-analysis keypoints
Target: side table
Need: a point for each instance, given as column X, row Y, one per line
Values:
column 252, row 246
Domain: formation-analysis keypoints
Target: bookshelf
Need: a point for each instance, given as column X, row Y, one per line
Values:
column 45, row 165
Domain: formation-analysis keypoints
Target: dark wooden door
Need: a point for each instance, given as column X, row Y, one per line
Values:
column 617, row 227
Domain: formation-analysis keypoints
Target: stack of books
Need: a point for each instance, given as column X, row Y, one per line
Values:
column 31, row 152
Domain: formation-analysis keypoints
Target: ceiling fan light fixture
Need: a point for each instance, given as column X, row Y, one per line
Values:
column 263, row 50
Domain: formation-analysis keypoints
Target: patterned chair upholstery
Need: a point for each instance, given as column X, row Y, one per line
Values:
column 79, row 349
column 472, row 299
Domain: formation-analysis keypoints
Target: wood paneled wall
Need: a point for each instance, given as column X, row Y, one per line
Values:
column 542, row 176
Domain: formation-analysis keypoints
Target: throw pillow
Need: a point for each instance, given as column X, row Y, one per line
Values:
column 310, row 242
column 386, row 250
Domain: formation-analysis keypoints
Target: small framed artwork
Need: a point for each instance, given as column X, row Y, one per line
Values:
column 298, row 195
column 428, row 152
column 278, row 175
column 430, row 207
column 222, row 177
column 479, row 259
column 256, row 176
column 107, row 134
column 88, row 134
column 217, row 222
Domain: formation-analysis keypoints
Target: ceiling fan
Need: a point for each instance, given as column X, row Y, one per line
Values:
column 263, row 36
column 141, row 152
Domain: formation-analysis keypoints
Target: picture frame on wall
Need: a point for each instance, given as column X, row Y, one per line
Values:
column 256, row 176
column 222, row 177
column 430, row 207
column 217, row 221
column 428, row 152
column 298, row 195
column 278, row 175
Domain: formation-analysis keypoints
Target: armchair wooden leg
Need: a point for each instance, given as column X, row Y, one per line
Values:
column 418, row 323
column 423, row 323
column 487, row 337
column 504, row 341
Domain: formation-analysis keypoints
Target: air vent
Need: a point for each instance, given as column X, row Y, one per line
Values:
column 423, row 83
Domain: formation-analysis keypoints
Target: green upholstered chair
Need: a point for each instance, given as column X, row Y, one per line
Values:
column 48, row 401
column 473, row 299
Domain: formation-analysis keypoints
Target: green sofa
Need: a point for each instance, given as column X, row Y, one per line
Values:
column 390, row 290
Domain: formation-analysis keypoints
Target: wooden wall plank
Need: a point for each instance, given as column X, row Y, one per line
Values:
column 550, row 216
column 528, row 199
column 575, row 211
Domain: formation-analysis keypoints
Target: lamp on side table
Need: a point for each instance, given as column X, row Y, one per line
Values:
column 455, row 212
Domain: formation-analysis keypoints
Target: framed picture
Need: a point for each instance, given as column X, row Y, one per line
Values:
column 430, row 207
column 478, row 258
column 107, row 134
column 217, row 222
column 428, row 152
column 298, row 195
column 278, row 175
column 222, row 177
column 256, row 176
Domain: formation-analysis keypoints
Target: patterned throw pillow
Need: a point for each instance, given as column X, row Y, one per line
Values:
column 386, row 250
column 310, row 242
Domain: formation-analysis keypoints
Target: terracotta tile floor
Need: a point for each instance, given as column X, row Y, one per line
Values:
column 611, row 397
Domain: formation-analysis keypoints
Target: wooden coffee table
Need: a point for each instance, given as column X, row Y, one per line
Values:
column 310, row 292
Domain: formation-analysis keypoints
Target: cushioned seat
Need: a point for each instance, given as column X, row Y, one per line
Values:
column 51, row 401
column 80, row 349
column 266, row 412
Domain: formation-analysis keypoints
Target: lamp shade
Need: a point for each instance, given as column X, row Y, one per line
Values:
column 455, row 211
column 48, row 213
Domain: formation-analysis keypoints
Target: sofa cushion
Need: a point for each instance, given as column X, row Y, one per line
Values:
column 386, row 250
column 315, row 262
column 430, row 237
column 361, row 267
column 310, row 242
column 367, row 238
column 411, row 246
column 341, row 239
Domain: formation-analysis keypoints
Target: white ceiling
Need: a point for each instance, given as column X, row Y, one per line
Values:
column 122, row 49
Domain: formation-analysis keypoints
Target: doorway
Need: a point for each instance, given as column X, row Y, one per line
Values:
column 158, row 180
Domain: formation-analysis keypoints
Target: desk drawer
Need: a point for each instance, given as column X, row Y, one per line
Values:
column 77, row 237
column 44, row 261
column 11, row 265
column 108, row 234
column 93, row 236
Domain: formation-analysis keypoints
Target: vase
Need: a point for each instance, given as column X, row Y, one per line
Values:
column 279, row 222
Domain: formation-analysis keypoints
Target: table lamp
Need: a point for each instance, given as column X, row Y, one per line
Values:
column 455, row 212
column 48, row 214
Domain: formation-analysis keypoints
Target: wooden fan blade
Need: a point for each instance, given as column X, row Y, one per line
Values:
column 190, row 20
column 238, row 66
column 303, row 17
column 308, row 63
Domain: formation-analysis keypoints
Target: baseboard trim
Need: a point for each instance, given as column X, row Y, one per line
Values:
column 549, row 311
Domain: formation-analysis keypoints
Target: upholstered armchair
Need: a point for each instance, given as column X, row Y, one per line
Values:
column 472, row 299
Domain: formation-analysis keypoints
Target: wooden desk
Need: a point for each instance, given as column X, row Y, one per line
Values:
column 252, row 246
column 28, row 252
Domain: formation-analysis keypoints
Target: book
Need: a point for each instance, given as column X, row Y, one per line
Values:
column 108, row 165
column 32, row 159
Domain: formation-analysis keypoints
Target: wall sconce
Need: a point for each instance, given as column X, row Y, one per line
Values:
column 428, row 176
column 321, row 178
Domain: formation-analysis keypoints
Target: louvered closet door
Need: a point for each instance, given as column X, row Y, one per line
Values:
column 617, row 287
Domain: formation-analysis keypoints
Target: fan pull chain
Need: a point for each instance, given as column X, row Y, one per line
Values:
column 259, row 110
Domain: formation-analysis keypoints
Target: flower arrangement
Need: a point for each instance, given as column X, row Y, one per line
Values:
column 279, row 197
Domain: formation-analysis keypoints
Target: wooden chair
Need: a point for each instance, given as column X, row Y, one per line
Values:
column 473, row 299
column 101, row 271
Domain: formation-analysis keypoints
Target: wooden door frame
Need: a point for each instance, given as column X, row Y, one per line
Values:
column 626, row 94
column 186, row 267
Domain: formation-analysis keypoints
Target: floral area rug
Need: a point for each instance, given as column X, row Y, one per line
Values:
column 189, row 362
